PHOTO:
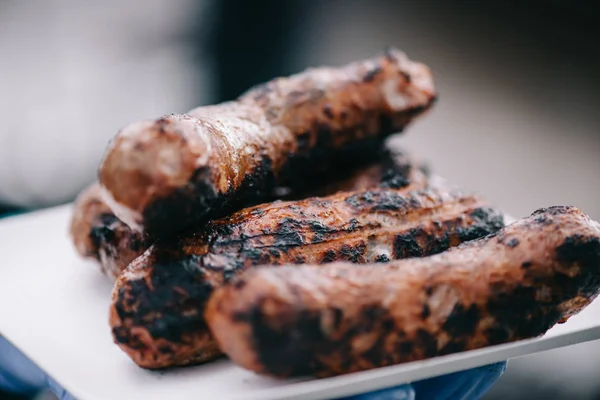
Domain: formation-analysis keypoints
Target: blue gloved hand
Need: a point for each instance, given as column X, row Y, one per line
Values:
column 464, row 385
column 20, row 376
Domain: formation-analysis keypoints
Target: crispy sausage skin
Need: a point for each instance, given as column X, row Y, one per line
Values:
column 165, row 174
column 340, row 318
column 158, row 302
column 97, row 233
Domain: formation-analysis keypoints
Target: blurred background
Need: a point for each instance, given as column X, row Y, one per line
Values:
column 517, row 119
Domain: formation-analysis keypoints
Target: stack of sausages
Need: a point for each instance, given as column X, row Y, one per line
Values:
column 285, row 231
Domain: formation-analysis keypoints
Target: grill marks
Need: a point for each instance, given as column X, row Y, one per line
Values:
column 336, row 228
column 172, row 281
column 97, row 233
column 472, row 296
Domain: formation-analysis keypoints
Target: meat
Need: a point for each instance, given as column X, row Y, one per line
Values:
column 97, row 233
column 514, row 284
column 158, row 302
column 179, row 170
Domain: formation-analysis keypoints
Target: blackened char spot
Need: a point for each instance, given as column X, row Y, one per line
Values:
column 542, row 220
column 259, row 212
column 426, row 341
column 101, row 234
column 352, row 225
column 407, row 245
column 454, row 346
column 165, row 350
column 582, row 250
column 382, row 258
column 387, row 124
column 497, row 335
column 371, row 316
column 137, row 242
column 440, row 241
column 329, row 256
column 353, row 253
column 299, row 260
column 183, row 205
column 107, row 219
column 319, row 230
column 121, row 334
column 396, row 175
column 526, row 264
column 462, row 321
column 324, row 136
column 199, row 199
column 404, row 348
column 285, row 351
column 303, row 142
column 287, row 234
column 175, row 285
column 531, row 320
column 389, row 201
column 383, row 200
column 275, row 253
column 486, row 221
column 250, row 252
column 425, row 312
column 338, row 316
column 554, row 210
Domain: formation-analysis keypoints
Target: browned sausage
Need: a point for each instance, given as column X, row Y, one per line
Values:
column 181, row 169
column 158, row 302
column 97, row 233
column 341, row 318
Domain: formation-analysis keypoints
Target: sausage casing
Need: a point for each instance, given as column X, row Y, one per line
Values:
column 165, row 174
column 158, row 302
column 341, row 318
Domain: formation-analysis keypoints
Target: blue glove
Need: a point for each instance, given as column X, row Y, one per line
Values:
column 465, row 385
column 20, row 376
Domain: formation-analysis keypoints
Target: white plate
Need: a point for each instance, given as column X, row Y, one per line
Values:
column 54, row 307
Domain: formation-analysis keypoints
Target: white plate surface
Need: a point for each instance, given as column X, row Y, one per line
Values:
column 54, row 307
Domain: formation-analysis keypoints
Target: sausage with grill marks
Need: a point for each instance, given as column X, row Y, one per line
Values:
column 158, row 302
column 340, row 318
column 97, row 233
column 179, row 170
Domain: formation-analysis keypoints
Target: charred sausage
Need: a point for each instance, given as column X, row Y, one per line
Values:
column 158, row 302
column 340, row 318
column 97, row 233
column 165, row 174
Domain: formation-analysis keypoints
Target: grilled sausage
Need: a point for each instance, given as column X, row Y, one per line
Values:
column 341, row 318
column 158, row 302
column 97, row 233
column 179, row 170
